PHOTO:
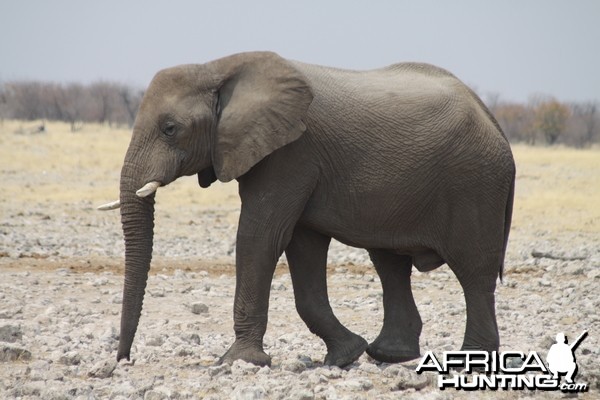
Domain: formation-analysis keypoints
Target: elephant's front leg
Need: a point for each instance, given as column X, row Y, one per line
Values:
column 307, row 257
column 271, row 206
column 256, row 258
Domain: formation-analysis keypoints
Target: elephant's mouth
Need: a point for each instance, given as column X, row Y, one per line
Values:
column 206, row 177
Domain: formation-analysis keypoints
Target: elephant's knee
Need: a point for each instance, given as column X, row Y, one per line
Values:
column 307, row 309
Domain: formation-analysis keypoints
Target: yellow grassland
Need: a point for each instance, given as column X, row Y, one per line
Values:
column 62, row 166
column 558, row 189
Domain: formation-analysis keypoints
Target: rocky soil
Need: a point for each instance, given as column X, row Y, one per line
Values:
column 61, row 283
column 60, row 295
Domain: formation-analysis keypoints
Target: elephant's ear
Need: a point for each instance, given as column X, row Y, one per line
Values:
column 261, row 103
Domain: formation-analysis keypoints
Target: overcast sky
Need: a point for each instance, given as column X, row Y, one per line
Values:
column 516, row 48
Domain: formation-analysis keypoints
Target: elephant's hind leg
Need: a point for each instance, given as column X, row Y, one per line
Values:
column 481, row 331
column 398, row 340
column 307, row 258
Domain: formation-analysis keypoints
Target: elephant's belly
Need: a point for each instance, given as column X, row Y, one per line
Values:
column 348, row 230
column 426, row 260
column 375, row 231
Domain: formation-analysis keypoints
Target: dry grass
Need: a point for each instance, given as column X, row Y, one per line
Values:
column 557, row 188
column 61, row 166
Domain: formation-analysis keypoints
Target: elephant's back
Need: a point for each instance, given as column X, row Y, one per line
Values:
column 404, row 96
column 412, row 101
column 402, row 82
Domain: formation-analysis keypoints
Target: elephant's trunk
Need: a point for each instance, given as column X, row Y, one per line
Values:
column 137, row 218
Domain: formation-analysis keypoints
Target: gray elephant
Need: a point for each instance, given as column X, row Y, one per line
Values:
column 404, row 161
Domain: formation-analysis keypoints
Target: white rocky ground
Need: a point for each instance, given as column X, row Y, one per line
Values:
column 60, row 295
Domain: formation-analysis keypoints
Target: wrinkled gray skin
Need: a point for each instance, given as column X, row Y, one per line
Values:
column 404, row 161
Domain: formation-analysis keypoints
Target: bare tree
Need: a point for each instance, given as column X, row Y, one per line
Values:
column 131, row 100
column 25, row 100
column 516, row 121
column 3, row 103
column 103, row 94
column 587, row 118
column 551, row 119
column 74, row 104
column 492, row 100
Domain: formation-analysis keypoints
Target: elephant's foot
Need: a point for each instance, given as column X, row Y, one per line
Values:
column 250, row 353
column 344, row 352
column 394, row 349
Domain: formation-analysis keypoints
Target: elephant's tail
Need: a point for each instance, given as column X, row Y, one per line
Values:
column 507, row 221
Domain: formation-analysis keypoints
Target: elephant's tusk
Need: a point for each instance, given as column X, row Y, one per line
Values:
column 148, row 189
column 110, row 206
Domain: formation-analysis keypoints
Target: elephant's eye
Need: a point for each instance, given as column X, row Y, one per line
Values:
column 169, row 128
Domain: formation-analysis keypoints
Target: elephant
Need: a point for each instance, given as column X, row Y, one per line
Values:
column 404, row 161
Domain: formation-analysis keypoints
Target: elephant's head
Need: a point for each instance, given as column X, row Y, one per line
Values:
column 216, row 120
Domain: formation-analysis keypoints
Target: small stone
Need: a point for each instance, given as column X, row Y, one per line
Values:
column 514, row 362
column 574, row 269
column 192, row 338
column 295, row 366
column 103, row 369
column 593, row 273
column 510, row 283
column 302, row 394
column 70, row 358
column 54, row 392
column 155, row 340
column 331, row 372
column 240, row 367
column 9, row 352
column 356, row 385
column 8, row 314
column 33, row 389
column 243, row 392
column 110, row 334
column 179, row 274
column 408, row 379
column 217, row 370
column 10, row 333
column 157, row 292
column 122, row 390
column 392, row 371
column 38, row 374
column 278, row 286
column 306, row 360
column 199, row 308
column 183, row 351
column 102, row 281
column 369, row 368
column 266, row 370
column 546, row 342
column 544, row 283
column 160, row 393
